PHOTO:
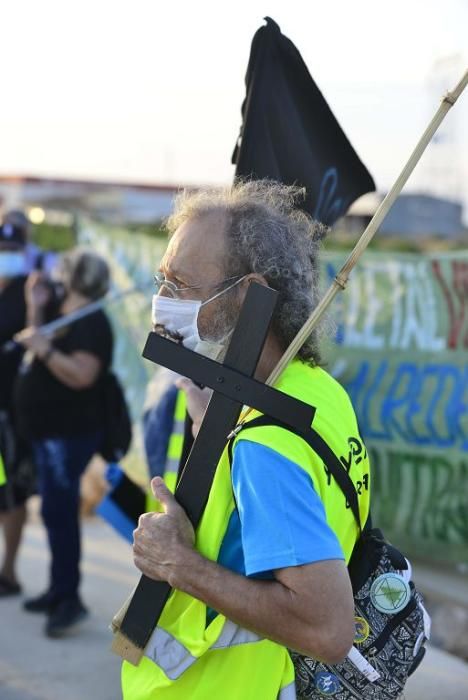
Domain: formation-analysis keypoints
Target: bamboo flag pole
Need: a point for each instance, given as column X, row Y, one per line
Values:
column 341, row 279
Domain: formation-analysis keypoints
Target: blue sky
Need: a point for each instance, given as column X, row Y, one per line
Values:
column 151, row 91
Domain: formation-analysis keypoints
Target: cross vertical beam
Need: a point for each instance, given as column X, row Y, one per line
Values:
column 221, row 416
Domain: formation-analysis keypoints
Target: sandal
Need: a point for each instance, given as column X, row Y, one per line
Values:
column 8, row 588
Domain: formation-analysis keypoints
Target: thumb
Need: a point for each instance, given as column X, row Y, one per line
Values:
column 164, row 496
column 184, row 384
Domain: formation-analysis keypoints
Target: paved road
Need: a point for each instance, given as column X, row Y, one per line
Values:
column 82, row 667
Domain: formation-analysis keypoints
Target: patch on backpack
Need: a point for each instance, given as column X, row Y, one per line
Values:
column 327, row 683
column 390, row 593
column 361, row 630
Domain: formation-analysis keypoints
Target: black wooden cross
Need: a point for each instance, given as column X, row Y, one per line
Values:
column 233, row 386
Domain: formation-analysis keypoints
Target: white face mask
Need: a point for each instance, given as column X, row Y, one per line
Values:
column 12, row 264
column 180, row 316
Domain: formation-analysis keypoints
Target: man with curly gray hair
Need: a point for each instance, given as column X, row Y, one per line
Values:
column 265, row 572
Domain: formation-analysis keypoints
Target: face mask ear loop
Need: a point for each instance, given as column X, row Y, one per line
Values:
column 223, row 291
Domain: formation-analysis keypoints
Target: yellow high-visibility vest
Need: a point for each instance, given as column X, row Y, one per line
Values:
column 2, row 472
column 174, row 452
column 188, row 659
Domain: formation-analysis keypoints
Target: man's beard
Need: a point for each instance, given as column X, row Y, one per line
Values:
column 221, row 325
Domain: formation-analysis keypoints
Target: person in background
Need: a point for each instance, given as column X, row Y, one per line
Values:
column 164, row 427
column 35, row 257
column 14, row 493
column 59, row 403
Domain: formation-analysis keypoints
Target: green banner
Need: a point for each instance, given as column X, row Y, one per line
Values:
column 133, row 259
column 401, row 352
column 400, row 349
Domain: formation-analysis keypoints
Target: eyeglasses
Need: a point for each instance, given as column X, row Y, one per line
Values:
column 160, row 281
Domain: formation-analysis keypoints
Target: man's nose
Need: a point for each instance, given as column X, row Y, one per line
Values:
column 165, row 291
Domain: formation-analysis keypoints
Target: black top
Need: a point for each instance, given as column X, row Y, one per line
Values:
column 12, row 320
column 45, row 407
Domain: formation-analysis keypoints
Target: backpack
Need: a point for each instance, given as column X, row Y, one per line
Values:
column 391, row 622
column 117, row 424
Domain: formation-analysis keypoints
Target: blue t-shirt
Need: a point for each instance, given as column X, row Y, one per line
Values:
column 279, row 521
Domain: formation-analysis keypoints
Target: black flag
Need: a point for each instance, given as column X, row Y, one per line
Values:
column 289, row 133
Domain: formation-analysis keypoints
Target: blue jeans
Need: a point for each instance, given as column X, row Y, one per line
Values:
column 60, row 463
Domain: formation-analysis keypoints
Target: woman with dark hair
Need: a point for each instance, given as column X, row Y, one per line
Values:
column 59, row 406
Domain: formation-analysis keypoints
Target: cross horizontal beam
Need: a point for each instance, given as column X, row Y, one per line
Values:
column 229, row 382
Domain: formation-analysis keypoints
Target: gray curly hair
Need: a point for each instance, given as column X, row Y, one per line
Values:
column 266, row 234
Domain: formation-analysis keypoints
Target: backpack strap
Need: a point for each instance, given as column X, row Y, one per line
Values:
column 320, row 447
